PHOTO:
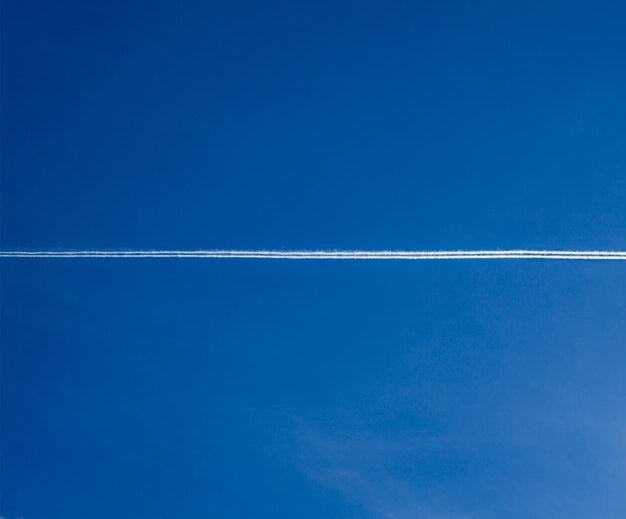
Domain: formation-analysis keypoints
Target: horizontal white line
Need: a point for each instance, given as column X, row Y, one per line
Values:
column 326, row 254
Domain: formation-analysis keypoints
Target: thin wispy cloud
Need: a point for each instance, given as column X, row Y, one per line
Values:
column 359, row 467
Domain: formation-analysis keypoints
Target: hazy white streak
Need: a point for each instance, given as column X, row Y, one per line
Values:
column 326, row 254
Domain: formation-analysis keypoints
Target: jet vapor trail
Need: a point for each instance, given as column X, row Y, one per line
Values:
column 326, row 254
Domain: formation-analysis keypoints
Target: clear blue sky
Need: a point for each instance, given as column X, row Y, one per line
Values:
column 383, row 390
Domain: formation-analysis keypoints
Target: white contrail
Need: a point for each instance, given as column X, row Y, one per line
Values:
column 326, row 254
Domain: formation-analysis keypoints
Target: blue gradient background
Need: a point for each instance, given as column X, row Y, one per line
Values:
column 236, row 388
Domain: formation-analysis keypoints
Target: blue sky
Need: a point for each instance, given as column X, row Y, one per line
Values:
column 197, row 388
